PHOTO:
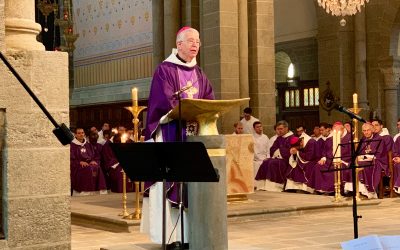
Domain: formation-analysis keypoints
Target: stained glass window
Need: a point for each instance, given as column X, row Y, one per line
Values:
column 297, row 94
column 311, row 92
column 305, row 97
column 316, row 94
column 287, row 99
column 292, row 98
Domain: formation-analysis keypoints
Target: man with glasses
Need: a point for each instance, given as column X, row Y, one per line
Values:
column 178, row 72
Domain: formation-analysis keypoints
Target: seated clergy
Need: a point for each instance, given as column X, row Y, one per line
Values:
column 396, row 165
column 323, row 182
column 387, row 140
column 261, row 146
column 373, row 157
column 273, row 171
column 86, row 174
column 302, row 161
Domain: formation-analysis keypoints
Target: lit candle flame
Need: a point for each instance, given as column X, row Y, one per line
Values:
column 124, row 138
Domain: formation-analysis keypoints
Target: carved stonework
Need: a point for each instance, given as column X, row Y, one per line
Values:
column 328, row 99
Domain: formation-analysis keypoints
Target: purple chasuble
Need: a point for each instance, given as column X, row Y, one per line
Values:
column 371, row 175
column 305, row 163
column 396, row 166
column 276, row 169
column 169, row 78
column 88, row 178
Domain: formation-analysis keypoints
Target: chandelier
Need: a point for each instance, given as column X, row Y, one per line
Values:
column 342, row 7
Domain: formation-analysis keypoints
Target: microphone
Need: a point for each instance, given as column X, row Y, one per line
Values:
column 177, row 93
column 349, row 113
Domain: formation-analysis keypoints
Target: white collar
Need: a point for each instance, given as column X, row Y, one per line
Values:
column 385, row 131
column 173, row 59
column 306, row 138
column 75, row 141
column 288, row 134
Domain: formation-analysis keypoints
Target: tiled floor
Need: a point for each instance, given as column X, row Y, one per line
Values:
column 312, row 230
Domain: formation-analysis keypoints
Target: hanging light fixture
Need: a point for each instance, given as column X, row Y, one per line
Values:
column 342, row 7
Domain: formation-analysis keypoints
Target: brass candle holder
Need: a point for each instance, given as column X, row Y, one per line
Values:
column 356, row 111
column 136, row 110
column 124, row 212
column 337, row 165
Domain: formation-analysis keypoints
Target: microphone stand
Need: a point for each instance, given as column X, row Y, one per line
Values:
column 181, row 184
column 61, row 131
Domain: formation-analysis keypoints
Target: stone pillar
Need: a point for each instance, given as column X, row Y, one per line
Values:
column 172, row 23
column 2, row 26
column 243, row 51
column 158, row 32
column 390, row 71
column 208, row 203
column 360, row 61
column 262, row 61
column 191, row 13
column 221, row 53
column 36, row 182
column 20, row 27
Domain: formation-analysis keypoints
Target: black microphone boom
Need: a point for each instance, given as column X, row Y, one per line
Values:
column 182, row 90
column 349, row 113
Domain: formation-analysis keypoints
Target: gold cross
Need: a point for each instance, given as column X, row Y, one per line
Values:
column 191, row 91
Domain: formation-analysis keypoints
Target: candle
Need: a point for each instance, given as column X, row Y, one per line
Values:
column 134, row 97
column 338, row 152
column 355, row 98
column 124, row 138
column 334, row 141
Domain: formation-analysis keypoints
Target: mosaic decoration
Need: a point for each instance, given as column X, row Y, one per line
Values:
column 111, row 26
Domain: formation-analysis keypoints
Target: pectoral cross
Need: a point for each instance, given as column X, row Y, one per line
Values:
column 191, row 91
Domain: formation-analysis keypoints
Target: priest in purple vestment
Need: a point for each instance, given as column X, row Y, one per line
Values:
column 86, row 174
column 373, row 156
column 323, row 182
column 178, row 71
column 396, row 165
column 302, row 161
column 387, row 140
column 272, row 174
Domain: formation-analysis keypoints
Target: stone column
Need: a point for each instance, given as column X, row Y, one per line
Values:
column 390, row 71
column 360, row 60
column 262, row 61
column 172, row 23
column 221, row 53
column 158, row 32
column 20, row 27
column 207, row 201
column 2, row 26
column 243, row 51
column 191, row 14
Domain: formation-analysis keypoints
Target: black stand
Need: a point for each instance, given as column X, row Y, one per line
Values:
column 355, row 152
column 180, row 139
column 166, row 161
column 61, row 131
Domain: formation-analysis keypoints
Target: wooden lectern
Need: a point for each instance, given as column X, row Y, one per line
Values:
column 205, row 112
column 208, row 201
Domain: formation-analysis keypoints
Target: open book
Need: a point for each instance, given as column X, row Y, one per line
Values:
column 373, row 242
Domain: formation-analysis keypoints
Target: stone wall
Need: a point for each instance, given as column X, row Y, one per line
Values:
column 36, row 181
column 303, row 54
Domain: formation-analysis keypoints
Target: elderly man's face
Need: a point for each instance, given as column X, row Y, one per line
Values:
column 189, row 47
column 377, row 127
column 367, row 130
column 281, row 130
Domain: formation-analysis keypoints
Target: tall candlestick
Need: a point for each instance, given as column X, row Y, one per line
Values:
column 355, row 98
column 338, row 152
column 134, row 97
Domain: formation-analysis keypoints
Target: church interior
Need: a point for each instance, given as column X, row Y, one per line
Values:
column 319, row 80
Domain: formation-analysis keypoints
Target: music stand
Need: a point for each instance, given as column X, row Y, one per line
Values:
column 354, row 153
column 166, row 161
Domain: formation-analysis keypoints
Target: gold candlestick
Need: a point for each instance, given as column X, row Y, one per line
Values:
column 356, row 110
column 135, row 110
column 337, row 164
column 124, row 212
